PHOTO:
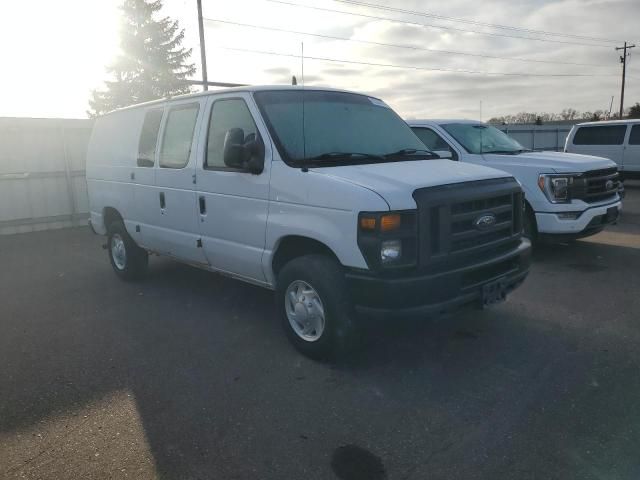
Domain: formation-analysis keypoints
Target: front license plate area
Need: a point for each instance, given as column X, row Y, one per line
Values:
column 494, row 292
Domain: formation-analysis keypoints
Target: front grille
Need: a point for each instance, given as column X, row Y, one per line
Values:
column 596, row 185
column 449, row 215
column 465, row 235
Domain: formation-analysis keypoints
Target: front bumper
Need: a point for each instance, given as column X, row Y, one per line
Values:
column 590, row 221
column 435, row 293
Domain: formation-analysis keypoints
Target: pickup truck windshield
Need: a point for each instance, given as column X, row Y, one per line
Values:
column 336, row 128
column 479, row 138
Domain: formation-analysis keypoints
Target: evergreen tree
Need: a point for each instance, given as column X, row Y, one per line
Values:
column 151, row 65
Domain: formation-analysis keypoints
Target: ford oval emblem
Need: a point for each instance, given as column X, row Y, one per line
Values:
column 484, row 222
column 608, row 185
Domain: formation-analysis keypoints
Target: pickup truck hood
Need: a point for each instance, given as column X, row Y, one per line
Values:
column 549, row 162
column 396, row 181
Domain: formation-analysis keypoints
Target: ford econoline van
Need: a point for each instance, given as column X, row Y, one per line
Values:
column 324, row 196
column 617, row 140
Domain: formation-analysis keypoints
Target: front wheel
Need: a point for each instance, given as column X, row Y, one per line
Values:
column 313, row 303
column 128, row 260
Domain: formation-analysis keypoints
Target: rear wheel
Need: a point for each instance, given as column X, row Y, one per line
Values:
column 314, row 307
column 128, row 260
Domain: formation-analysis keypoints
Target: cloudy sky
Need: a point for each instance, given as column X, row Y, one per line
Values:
column 55, row 52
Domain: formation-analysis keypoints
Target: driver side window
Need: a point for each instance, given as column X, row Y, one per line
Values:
column 432, row 140
column 227, row 114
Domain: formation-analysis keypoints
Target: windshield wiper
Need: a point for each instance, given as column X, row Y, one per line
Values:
column 505, row 152
column 344, row 155
column 410, row 151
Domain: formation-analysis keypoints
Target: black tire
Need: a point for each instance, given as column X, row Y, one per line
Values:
column 530, row 226
column 136, row 259
column 326, row 277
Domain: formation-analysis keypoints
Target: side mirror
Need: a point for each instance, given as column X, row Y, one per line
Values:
column 444, row 154
column 243, row 153
column 255, row 149
column 234, row 153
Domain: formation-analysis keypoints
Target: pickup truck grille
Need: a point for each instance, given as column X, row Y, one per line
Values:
column 596, row 185
column 451, row 230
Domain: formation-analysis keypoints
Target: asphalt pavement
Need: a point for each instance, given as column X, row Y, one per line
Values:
column 188, row 375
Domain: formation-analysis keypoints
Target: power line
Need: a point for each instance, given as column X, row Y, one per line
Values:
column 474, row 22
column 395, row 45
column 411, row 67
column 442, row 27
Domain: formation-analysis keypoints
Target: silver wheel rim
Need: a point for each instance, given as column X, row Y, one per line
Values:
column 304, row 311
column 118, row 251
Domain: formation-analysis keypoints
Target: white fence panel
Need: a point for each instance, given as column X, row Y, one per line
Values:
column 42, row 173
column 538, row 137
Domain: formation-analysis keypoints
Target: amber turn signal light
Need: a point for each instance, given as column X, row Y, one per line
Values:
column 389, row 222
column 368, row 223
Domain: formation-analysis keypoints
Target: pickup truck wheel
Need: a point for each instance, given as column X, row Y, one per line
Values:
column 312, row 301
column 128, row 260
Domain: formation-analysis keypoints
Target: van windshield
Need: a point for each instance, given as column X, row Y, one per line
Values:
column 336, row 128
column 480, row 138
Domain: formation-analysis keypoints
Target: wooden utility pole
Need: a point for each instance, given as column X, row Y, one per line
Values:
column 623, row 60
column 203, row 53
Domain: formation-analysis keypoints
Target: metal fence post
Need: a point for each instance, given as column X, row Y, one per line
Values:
column 69, row 178
column 533, row 138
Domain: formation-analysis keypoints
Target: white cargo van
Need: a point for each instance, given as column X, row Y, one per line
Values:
column 618, row 140
column 567, row 196
column 325, row 196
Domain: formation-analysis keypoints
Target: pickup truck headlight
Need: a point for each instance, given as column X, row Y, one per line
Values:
column 557, row 188
column 390, row 251
column 388, row 239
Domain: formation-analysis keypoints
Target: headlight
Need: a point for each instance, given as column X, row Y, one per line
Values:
column 390, row 251
column 557, row 188
column 388, row 239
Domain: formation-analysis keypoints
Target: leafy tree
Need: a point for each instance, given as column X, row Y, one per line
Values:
column 152, row 64
column 634, row 111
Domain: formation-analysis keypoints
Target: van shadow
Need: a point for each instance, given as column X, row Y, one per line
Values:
column 220, row 391
column 221, row 394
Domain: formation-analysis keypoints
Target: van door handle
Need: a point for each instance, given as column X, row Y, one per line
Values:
column 203, row 205
column 162, row 201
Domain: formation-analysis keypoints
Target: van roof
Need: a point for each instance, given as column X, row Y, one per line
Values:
column 253, row 88
column 611, row 122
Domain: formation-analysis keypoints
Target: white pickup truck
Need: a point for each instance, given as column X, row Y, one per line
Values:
column 568, row 196
column 325, row 196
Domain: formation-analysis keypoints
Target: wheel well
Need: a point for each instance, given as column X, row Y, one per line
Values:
column 529, row 211
column 296, row 246
column 111, row 215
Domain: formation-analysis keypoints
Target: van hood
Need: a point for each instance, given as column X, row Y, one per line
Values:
column 550, row 162
column 396, row 181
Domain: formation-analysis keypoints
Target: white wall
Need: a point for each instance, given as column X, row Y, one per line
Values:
column 538, row 137
column 42, row 178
